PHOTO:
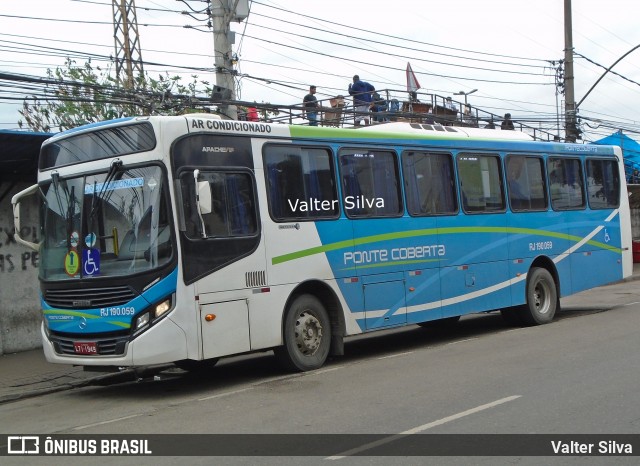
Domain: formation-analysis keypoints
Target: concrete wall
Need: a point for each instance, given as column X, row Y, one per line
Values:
column 20, row 314
column 635, row 223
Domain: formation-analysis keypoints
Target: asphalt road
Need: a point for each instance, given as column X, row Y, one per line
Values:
column 578, row 375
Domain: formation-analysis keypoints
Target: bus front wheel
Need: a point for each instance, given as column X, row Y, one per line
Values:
column 307, row 335
column 542, row 298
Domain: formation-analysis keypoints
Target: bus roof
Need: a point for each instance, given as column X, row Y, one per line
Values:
column 391, row 130
column 450, row 131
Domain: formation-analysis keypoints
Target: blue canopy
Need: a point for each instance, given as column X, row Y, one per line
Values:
column 630, row 149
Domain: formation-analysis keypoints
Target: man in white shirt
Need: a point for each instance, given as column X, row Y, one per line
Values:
column 450, row 105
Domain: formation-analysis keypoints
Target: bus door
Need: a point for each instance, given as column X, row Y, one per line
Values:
column 222, row 252
column 371, row 199
column 475, row 272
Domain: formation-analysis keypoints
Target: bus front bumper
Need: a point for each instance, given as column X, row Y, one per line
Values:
column 163, row 343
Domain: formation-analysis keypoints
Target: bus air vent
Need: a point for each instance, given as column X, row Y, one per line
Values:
column 255, row 279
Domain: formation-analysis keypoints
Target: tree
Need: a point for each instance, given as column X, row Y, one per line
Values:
column 76, row 95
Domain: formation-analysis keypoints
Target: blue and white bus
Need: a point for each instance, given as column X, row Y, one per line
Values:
column 186, row 239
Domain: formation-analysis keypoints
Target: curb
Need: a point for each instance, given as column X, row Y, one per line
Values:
column 125, row 375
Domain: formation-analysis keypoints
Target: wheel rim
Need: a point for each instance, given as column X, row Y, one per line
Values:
column 541, row 301
column 308, row 331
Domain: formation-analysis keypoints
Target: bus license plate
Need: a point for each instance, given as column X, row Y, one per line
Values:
column 85, row 347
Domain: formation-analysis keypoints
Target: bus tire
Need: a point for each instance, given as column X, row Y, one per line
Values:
column 307, row 335
column 542, row 298
column 191, row 365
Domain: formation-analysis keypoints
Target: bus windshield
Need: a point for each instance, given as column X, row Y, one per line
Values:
column 105, row 225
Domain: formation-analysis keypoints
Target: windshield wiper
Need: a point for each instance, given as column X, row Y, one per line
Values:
column 69, row 210
column 114, row 170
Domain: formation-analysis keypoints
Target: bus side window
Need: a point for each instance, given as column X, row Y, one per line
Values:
column 371, row 183
column 480, row 183
column 233, row 207
column 526, row 183
column 300, row 183
column 429, row 183
column 603, row 184
column 566, row 184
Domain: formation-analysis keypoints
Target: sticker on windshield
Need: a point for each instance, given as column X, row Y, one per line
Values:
column 73, row 239
column 72, row 263
column 90, row 262
column 114, row 185
column 90, row 240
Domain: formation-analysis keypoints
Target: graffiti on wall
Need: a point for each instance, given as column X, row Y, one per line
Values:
column 22, row 260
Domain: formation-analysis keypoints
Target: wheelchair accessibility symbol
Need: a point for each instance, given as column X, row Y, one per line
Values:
column 607, row 238
column 90, row 262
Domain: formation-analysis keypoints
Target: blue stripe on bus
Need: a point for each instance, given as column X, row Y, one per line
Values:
column 110, row 318
column 93, row 126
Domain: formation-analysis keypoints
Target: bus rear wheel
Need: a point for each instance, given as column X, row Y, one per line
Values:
column 307, row 335
column 542, row 298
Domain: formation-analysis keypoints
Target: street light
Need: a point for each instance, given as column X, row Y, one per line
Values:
column 465, row 94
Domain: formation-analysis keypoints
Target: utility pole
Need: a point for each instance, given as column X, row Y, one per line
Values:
column 222, row 13
column 571, row 128
column 127, row 42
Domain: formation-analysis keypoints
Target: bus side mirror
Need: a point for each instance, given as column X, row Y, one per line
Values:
column 15, row 202
column 203, row 200
column 204, row 197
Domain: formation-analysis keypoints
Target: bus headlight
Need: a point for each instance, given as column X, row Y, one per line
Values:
column 142, row 320
column 161, row 308
column 156, row 312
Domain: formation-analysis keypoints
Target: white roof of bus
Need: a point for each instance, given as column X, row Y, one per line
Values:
column 450, row 131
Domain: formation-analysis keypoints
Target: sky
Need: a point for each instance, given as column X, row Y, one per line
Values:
column 507, row 50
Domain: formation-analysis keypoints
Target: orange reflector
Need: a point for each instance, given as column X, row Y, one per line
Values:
column 412, row 288
column 209, row 317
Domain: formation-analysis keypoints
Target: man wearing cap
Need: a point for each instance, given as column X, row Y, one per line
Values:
column 361, row 92
column 310, row 104
column 450, row 105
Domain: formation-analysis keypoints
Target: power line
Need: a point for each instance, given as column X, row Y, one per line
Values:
column 604, row 68
column 395, row 68
column 48, row 39
column 396, row 55
column 381, row 34
column 86, row 22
